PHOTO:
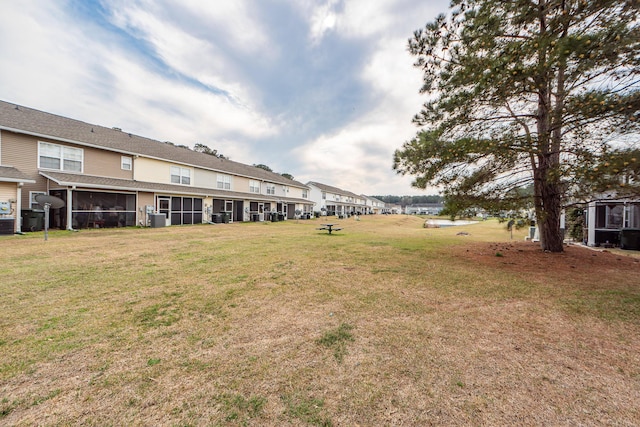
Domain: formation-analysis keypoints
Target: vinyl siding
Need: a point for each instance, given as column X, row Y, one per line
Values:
column 296, row 193
column 241, row 184
column 206, row 179
column 8, row 192
column 21, row 152
column 104, row 163
column 150, row 170
column 144, row 199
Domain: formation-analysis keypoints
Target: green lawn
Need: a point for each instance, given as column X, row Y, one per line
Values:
column 382, row 323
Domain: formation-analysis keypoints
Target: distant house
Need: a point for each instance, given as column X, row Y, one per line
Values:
column 424, row 209
column 611, row 221
column 335, row 201
column 374, row 206
column 110, row 178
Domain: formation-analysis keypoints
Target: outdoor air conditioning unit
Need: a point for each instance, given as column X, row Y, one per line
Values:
column 630, row 239
column 157, row 220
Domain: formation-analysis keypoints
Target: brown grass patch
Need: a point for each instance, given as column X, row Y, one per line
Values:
column 383, row 323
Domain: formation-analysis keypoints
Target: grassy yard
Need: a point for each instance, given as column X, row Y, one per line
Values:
column 271, row 324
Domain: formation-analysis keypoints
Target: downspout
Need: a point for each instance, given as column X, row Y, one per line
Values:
column 69, row 205
column 591, row 224
column 18, row 223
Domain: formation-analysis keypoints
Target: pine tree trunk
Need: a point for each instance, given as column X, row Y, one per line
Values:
column 548, row 206
column 551, row 239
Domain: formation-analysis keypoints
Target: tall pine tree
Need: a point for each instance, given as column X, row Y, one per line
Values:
column 524, row 92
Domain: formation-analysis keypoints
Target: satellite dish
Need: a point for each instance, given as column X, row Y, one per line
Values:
column 53, row 201
column 48, row 202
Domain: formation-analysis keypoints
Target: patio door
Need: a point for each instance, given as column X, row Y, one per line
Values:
column 164, row 207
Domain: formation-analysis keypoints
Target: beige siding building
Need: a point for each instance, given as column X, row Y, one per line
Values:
column 110, row 178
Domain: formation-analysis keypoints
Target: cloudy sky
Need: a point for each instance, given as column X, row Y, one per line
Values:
column 322, row 89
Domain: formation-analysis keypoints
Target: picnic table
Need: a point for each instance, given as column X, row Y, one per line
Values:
column 329, row 227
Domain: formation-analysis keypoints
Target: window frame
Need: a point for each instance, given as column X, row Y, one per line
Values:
column 32, row 199
column 223, row 181
column 65, row 154
column 126, row 161
column 183, row 175
column 254, row 186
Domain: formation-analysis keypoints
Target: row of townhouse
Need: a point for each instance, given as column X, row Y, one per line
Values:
column 111, row 178
column 336, row 201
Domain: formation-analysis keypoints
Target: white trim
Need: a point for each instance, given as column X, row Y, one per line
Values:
column 225, row 183
column 129, row 164
column 254, row 186
column 69, row 209
column 32, row 198
column 181, row 173
column 18, row 223
column 62, row 157
column 18, row 180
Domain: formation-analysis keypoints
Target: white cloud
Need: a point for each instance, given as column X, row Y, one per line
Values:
column 361, row 153
column 57, row 68
column 359, row 157
column 183, row 113
column 49, row 63
column 196, row 57
column 78, row 68
column 323, row 18
column 363, row 18
column 367, row 18
column 235, row 19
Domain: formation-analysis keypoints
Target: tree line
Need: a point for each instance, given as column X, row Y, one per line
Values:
column 410, row 200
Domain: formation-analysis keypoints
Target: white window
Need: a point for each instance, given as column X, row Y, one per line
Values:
column 32, row 199
column 126, row 163
column 304, row 194
column 224, row 182
column 180, row 175
column 271, row 189
column 324, row 195
column 254, row 187
column 59, row 157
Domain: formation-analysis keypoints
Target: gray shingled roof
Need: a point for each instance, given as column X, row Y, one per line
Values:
column 89, row 181
column 334, row 190
column 11, row 174
column 22, row 119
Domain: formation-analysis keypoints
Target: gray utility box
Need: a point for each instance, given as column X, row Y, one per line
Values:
column 157, row 220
